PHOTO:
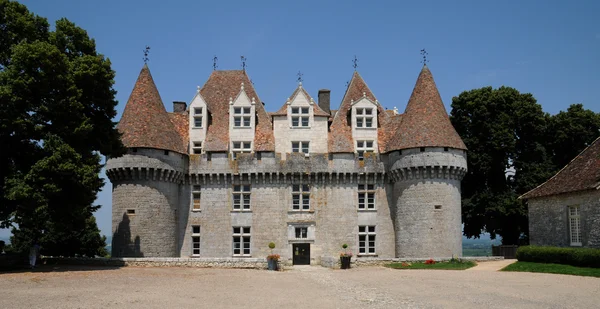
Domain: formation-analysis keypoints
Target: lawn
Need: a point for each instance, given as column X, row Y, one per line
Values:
column 450, row 265
column 553, row 269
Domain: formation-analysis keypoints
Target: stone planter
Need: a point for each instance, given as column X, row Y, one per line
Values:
column 273, row 264
column 345, row 260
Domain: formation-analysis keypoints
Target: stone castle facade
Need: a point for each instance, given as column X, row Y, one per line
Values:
column 222, row 177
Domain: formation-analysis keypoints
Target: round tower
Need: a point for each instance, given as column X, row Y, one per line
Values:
column 147, row 180
column 427, row 161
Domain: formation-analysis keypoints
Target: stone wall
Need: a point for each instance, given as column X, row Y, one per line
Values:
column 549, row 223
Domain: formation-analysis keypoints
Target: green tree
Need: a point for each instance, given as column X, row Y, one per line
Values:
column 58, row 103
column 505, row 133
column 571, row 132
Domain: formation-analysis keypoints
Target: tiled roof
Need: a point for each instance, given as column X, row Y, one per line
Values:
column 181, row 123
column 340, row 133
column 317, row 111
column 582, row 173
column 425, row 122
column 145, row 122
column 221, row 86
column 388, row 131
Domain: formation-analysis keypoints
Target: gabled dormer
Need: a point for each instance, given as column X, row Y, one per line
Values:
column 300, row 109
column 364, row 113
column 198, row 123
column 242, row 121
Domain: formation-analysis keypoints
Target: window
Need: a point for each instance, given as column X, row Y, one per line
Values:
column 300, row 147
column 241, row 197
column 240, row 147
column 364, row 117
column 575, row 225
column 197, row 147
column 195, row 240
column 241, row 116
column 241, row 241
column 366, row 196
column 195, row 198
column 130, row 212
column 437, row 207
column 300, row 117
column 300, row 197
column 362, row 147
column 366, row 239
column 197, row 117
column 301, row 232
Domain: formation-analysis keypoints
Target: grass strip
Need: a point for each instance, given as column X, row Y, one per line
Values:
column 453, row 265
column 553, row 269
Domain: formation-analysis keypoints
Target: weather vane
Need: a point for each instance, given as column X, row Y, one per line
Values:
column 347, row 84
column 355, row 63
column 243, row 62
column 215, row 66
column 424, row 54
column 146, row 53
column 300, row 77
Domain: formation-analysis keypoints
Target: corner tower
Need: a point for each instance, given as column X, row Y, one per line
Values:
column 427, row 161
column 147, row 179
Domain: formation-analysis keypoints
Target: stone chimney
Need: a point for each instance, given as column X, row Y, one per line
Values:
column 324, row 100
column 179, row 107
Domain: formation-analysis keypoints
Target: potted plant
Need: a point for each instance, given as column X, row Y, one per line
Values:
column 273, row 259
column 345, row 257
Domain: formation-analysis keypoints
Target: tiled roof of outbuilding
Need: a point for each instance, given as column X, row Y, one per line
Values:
column 582, row 173
column 340, row 133
column 317, row 111
column 145, row 122
column 425, row 122
column 221, row 86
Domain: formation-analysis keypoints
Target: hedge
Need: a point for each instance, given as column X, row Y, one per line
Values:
column 583, row 257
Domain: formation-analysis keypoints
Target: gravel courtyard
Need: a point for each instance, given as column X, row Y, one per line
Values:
column 301, row 287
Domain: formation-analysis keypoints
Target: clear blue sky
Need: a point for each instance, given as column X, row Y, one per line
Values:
column 548, row 48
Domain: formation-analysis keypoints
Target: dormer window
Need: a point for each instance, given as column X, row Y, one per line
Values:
column 197, row 148
column 300, row 116
column 364, row 117
column 300, row 147
column 197, row 117
column 240, row 147
column 362, row 147
column 241, row 116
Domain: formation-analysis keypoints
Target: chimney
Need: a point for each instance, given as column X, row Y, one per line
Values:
column 324, row 99
column 179, row 107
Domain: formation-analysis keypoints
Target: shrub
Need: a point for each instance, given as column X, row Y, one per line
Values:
column 583, row 257
column 271, row 245
column 430, row 261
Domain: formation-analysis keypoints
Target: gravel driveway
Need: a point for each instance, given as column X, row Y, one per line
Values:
column 302, row 287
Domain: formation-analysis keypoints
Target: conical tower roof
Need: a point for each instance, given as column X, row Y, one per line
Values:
column 425, row 122
column 145, row 122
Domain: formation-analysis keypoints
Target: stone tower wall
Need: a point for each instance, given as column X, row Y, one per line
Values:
column 146, row 197
column 427, row 201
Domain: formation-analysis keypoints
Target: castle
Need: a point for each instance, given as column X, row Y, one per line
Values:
column 222, row 177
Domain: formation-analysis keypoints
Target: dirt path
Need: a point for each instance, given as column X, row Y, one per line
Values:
column 492, row 265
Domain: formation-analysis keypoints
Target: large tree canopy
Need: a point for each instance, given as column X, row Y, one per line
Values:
column 58, row 103
column 513, row 147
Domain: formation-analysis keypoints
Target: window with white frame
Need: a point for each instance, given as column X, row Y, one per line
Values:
column 195, row 198
column 364, row 117
column 366, row 196
column 575, row 225
column 241, row 240
column 301, row 232
column 300, row 147
column 241, row 116
column 240, row 147
column 196, row 147
column 362, row 147
column 300, row 116
column 366, row 239
column 195, row 240
column 300, row 197
column 197, row 117
column 241, row 197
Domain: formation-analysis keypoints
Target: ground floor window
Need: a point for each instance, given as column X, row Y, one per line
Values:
column 366, row 239
column 195, row 240
column 575, row 225
column 241, row 240
column 301, row 232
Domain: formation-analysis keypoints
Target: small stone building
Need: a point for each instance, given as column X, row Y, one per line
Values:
column 222, row 177
column 565, row 210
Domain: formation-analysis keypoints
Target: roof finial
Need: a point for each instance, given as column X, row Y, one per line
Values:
column 424, row 54
column 299, row 79
column 197, row 88
column 146, row 53
column 395, row 110
column 355, row 63
column 243, row 62
column 215, row 66
column 364, row 94
column 242, row 85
